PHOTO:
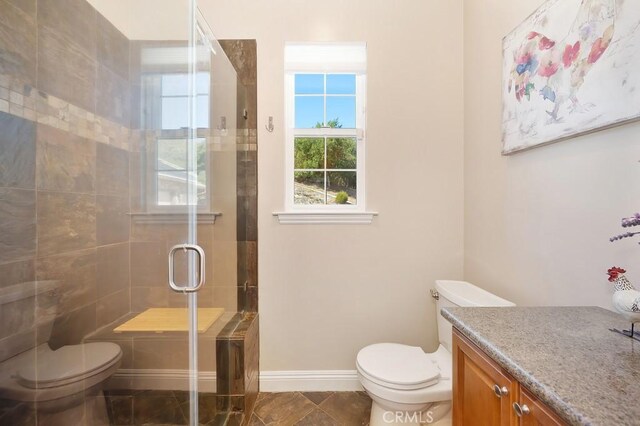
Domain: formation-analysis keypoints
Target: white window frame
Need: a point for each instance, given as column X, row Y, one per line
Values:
column 325, row 58
column 358, row 133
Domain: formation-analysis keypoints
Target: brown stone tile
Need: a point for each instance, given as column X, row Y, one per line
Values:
column 75, row 20
column 255, row 421
column 135, row 183
column 113, row 96
column 112, row 307
column 17, row 316
column 317, row 397
column 65, row 162
column 143, row 298
column 349, row 408
column 113, row 48
column 113, row 269
column 71, row 327
column 163, row 352
column 66, row 222
column 112, row 219
column 243, row 56
column 149, row 265
column 155, row 407
column 76, row 276
column 206, row 405
column 318, row 418
column 283, row 408
column 120, row 409
column 17, row 224
column 17, row 272
column 65, row 70
column 18, row 40
column 112, row 170
column 17, row 151
column 21, row 414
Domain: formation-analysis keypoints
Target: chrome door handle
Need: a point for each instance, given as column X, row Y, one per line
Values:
column 500, row 391
column 521, row 410
column 201, row 266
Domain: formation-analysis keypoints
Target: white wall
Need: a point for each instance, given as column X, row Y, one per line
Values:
column 537, row 223
column 326, row 291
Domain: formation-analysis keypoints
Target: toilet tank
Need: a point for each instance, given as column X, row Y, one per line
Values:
column 462, row 294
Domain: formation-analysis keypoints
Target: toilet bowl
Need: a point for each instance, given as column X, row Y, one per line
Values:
column 408, row 386
column 64, row 385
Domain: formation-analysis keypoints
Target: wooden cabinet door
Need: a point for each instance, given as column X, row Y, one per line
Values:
column 536, row 413
column 483, row 394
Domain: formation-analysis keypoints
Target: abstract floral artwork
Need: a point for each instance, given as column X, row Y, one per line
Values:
column 571, row 68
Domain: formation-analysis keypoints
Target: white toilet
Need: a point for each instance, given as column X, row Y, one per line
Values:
column 409, row 386
column 65, row 385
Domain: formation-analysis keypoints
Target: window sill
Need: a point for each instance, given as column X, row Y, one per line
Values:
column 305, row 218
column 173, row 218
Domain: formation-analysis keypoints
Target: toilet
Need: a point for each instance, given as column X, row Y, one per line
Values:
column 64, row 385
column 409, row 386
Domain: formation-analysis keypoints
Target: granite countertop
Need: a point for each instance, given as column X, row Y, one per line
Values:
column 565, row 356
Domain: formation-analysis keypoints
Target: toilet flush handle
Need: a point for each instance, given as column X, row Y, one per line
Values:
column 435, row 294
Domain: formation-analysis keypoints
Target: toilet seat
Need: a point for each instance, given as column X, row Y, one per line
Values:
column 397, row 366
column 68, row 364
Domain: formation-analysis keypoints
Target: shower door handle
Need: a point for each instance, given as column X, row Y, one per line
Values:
column 201, row 267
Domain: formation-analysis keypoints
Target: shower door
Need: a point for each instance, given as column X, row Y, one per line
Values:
column 207, row 197
column 187, row 196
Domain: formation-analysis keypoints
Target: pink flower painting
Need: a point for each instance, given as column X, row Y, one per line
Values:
column 564, row 65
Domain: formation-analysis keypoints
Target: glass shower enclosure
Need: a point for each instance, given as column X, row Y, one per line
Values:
column 118, row 209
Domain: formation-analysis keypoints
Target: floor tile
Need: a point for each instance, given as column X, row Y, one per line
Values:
column 255, row 421
column 349, row 408
column 317, row 397
column 318, row 418
column 283, row 409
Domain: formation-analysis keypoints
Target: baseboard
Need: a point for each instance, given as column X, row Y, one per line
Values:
column 160, row 379
column 309, row 381
column 270, row 381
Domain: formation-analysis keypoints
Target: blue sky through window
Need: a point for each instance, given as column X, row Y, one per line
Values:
column 311, row 99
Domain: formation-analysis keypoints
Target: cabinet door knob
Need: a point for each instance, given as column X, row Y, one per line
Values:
column 521, row 410
column 500, row 391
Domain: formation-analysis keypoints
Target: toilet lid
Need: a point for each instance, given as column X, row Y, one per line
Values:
column 52, row 368
column 399, row 366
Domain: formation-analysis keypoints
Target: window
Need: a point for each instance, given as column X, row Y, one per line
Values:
column 165, row 114
column 325, row 101
column 175, row 101
column 172, row 176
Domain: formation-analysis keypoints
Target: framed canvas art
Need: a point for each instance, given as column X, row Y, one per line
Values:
column 571, row 68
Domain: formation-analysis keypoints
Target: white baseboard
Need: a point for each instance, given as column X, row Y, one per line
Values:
column 309, row 381
column 270, row 381
column 160, row 379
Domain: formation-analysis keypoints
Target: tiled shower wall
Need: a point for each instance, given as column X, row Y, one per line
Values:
column 64, row 162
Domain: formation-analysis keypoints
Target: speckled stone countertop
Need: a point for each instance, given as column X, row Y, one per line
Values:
column 566, row 356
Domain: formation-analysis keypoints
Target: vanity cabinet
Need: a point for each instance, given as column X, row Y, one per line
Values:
column 485, row 394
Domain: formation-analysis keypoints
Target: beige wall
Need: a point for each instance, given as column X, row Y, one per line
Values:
column 326, row 291
column 537, row 223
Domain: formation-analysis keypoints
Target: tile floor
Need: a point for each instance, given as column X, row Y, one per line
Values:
column 271, row 409
column 311, row 409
